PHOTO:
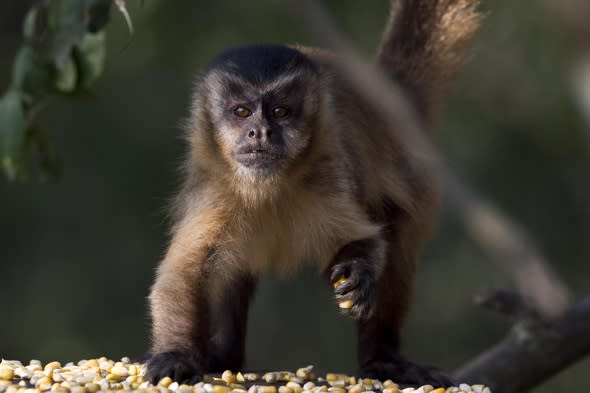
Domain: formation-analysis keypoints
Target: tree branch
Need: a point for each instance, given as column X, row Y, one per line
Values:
column 533, row 350
column 506, row 302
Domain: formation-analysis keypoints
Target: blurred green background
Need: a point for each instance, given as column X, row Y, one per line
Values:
column 77, row 258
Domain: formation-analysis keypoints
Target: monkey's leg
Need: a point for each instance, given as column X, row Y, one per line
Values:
column 229, row 320
column 379, row 335
column 378, row 339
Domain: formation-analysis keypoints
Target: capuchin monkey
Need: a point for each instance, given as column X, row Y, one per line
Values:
column 288, row 166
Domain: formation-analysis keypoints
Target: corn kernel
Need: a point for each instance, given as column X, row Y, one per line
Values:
column 165, row 382
column 346, row 304
column 6, row 373
column 228, row 377
column 220, row 389
column 340, row 281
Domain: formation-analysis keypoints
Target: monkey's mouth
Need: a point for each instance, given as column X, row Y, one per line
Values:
column 259, row 158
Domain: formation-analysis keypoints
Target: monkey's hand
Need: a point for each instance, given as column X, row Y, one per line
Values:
column 181, row 366
column 354, row 282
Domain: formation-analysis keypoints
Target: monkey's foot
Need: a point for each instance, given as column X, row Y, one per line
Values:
column 404, row 372
column 181, row 366
column 354, row 283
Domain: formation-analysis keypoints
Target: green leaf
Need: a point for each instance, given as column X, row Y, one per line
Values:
column 67, row 77
column 30, row 24
column 59, row 55
column 13, row 154
column 67, row 25
column 31, row 72
column 90, row 57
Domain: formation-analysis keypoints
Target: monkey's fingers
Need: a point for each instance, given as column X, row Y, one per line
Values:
column 340, row 271
column 355, row 294
column 356, row 302
column 181, row 366
column 340, row 281
column 347, row 285
column 358, row 311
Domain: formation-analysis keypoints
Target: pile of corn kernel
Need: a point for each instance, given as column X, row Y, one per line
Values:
column 105, row 375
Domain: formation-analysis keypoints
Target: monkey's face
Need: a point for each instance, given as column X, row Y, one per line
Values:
column 263, row 114
column 264, row 130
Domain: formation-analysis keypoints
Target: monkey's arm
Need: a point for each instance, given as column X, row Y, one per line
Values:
column 423, row 47
column 180, row 305
column 379, row 283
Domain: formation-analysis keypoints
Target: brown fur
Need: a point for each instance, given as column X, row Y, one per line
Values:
column 352, row 181
column 424, row 45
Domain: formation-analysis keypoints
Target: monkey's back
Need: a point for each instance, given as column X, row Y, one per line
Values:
column 376, row 162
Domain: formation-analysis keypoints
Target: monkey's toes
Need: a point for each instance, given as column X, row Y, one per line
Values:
column 353, row 283
column 406, row 373
column 181, row 366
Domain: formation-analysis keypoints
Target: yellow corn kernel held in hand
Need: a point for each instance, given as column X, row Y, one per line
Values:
column 341, row 280
column 346, row 304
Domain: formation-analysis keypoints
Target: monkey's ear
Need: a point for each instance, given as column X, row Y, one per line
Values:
column 423, row 46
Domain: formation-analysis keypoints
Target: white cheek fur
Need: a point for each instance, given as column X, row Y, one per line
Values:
column 295, row 141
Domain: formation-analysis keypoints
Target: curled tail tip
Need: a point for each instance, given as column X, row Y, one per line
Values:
column 424, row 45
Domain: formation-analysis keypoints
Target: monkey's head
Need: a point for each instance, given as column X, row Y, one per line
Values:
column 260, row 104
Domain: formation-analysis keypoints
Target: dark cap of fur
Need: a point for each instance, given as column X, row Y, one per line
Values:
column 260, row 63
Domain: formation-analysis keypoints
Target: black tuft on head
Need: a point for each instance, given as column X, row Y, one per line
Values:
column 260, row 63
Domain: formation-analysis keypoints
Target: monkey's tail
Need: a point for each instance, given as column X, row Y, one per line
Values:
column 424, row 45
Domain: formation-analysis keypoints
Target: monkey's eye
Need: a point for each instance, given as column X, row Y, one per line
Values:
column 242, row 111
column 280, row 112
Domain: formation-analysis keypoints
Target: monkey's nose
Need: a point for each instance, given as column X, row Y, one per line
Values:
column 259, row 133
